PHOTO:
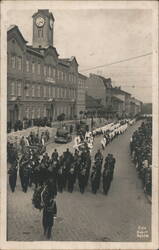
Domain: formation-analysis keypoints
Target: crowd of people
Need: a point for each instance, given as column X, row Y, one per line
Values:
column 49, row 175
column 141, row 153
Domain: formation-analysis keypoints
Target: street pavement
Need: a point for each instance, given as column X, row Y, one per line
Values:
column 123, row 215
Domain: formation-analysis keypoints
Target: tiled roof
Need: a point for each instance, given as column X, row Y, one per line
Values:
column 12, row 27
column 107, row 81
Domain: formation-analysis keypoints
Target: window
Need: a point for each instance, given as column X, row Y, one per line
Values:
column 27, row 112
column 49, row 71
column 44, row 112
column 33, row 90
column 19, row 63
column 27, row 89
column 53, row 72
column 38, row 90
column 19, row 88
column 27, row 65
column 57, row 92
column 69, row 77
column 65, row 76
column 44, row 91
column 33, row 67
column 53, row 92
column 38, row 112
column 58, row 74
column 40, row 32
column 13, row 61
column 12, row 88
column 45, row 70
column 32, row 113
column 62, row 75
column 50, row 91
column 63, row 92
column 39, row 68
column 74, row 79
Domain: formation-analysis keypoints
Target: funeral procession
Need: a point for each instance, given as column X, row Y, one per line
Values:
column 79, row 137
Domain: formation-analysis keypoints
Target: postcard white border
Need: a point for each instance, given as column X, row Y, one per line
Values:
column 19, row 5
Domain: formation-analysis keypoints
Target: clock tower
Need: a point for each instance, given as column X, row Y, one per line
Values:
column 43, row 29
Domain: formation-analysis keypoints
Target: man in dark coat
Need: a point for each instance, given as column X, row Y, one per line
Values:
column 82, row 177
column 60, row 179
column 71, row 179
column 106, row 180
column 24, row 172
column 55, row 155
column 50, row 209
column 99, row 156
column 112, row 166
column 12, row 176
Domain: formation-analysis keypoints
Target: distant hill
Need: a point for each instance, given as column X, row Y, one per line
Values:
column 147, row 108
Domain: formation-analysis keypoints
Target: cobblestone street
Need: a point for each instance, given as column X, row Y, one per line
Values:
column 88, row 217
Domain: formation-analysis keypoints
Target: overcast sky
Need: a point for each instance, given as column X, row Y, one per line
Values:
column 98, row 37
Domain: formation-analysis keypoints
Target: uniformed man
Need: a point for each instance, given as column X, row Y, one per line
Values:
column 82, row 177
column 60, row 179
column 95, row 178
column 106, row 180
column 50, row 209
column 112, row 165
column 24, row 172
column 55, row 155
column 99, row 156
column 71, row 178
column 12, row 176
column 88, row 166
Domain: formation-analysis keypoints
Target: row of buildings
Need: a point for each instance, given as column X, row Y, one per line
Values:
column 102, row 97
column 41, row 84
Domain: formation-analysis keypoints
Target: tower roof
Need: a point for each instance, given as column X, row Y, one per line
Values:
column 44, row 12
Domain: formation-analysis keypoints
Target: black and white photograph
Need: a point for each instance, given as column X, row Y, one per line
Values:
column 79, row 111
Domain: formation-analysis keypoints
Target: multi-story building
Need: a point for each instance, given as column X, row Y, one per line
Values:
column 39, row 83
column 93, row 106
column 118, row 106
column 100, row 87
column 125, row 97
column 135, row 106
column 81, row 94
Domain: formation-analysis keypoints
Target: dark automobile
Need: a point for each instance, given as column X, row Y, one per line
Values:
column 62, row 136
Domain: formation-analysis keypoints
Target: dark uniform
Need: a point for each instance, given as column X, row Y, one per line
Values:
column 60, row 179
column 112, row 166
column 95, row 179
column 55, row 155
column 49, row 210
column 106, row 180
column 71, row 179
column 99, row 156
column 68, row 160
column 24, row 172
column 82, row 177
column 12, row 177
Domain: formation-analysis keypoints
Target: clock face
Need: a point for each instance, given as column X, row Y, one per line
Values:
column 51, row 23
column 40, row 21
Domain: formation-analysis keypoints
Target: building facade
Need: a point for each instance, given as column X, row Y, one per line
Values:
column 81, row 95
column 39, row 83
column 125, row 98
column 135, row 106
column 100, row 87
